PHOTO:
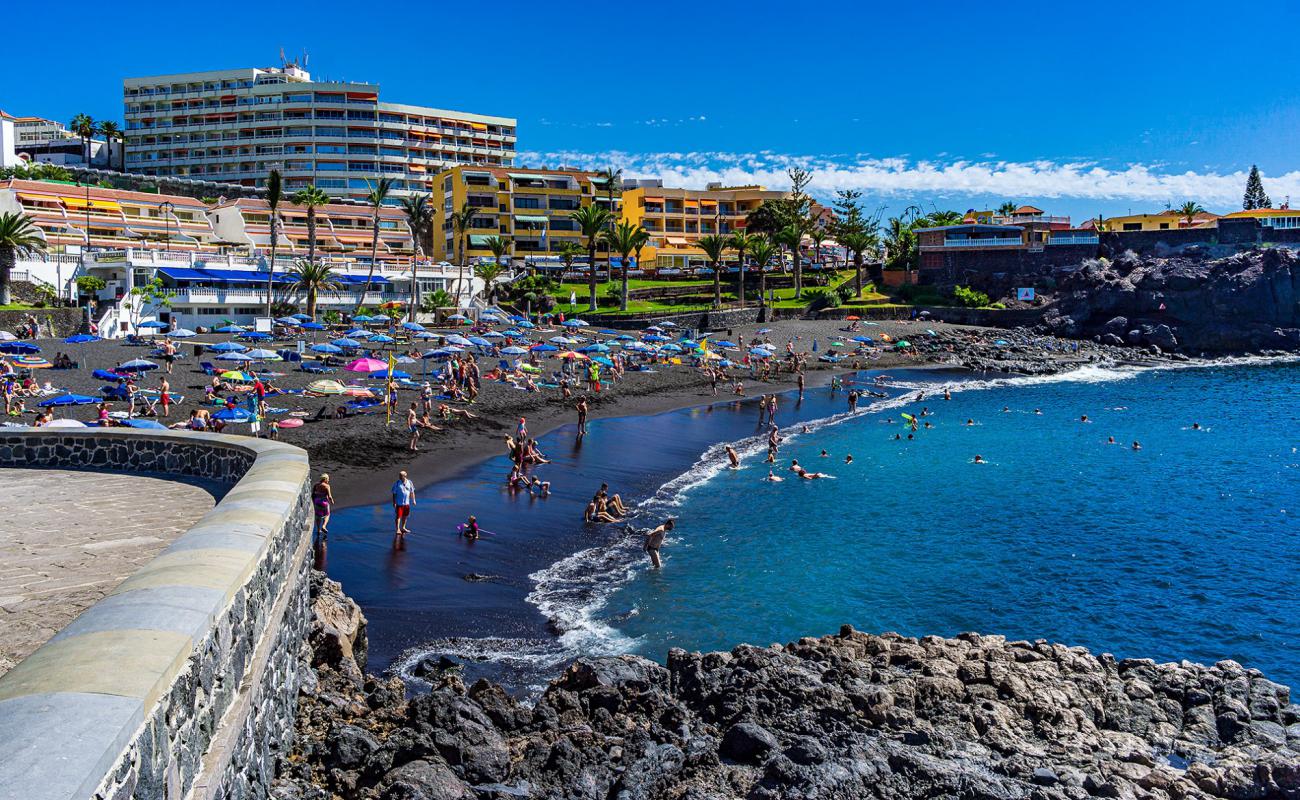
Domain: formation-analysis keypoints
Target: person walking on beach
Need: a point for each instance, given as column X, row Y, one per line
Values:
column 322, row 498
column 655, row 539
column 165, row 396
column 169, row 354
column 582, row 416
column 801, row 384
column 403, row 499
column 413, row 427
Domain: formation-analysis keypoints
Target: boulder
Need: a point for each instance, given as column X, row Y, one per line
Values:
column 748, row 743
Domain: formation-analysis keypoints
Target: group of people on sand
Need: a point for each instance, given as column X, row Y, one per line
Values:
column 604, row 507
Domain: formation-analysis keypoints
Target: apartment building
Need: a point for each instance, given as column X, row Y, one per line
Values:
column 37, row 139
column 1161, row 221
column 530, row 208
column 70, row 217
column 236, row 125
column 343, row 230
column 677, row 218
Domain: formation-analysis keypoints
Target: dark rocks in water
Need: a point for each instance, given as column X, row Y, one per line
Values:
column 474, row 577
column 432, row 666
column 851, row 715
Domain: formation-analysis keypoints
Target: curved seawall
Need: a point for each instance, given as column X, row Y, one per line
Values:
column 183, row 680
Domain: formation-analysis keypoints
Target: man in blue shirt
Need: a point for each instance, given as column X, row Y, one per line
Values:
column 403, row 499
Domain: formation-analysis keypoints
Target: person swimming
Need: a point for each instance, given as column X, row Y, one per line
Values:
column 970, row 422
column 1084, row 418
column 848, row 459
column 1110, row 440
column 1196, row 426
column 979, row 459
column 774, row 478
column 1137, row 445
column 824, row 454
column 732, row 457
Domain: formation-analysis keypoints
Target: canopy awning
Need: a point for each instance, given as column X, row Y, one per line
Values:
column 97, row 205
column 519, row 176
column 478, row 126
column 677, row 240
column 691, row 203
column 527, row 218
column 478, row 240
column 37, row 198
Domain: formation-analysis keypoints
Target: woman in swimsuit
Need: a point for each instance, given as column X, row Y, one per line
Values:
column 322, row 497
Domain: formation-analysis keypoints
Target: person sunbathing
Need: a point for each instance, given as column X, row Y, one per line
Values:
column 594, row 513
column 447, row 412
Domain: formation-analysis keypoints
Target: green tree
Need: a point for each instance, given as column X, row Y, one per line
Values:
column 89, row 284
column 19, row 236
column 84, row 126
column 592, row 220
column 625, row 238
column 110, row 131
column 857, row 243
column 900, row 243
column 1255, row 197
column 461, row 222
column 568, row 252
column 435, row 300
column 376, row 197
column 761, row 251
column 488, row 272
column 1189, row 210
column 791, row 238
column 500, row 248
column 274, row 193
column 419, row 216
column 1007, row 208
column 152, row 293
column 714, row 246
column 311, row 197
column 312, row 278
column 741, row 241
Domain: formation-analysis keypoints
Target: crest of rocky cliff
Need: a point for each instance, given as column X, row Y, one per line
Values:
column 844, row 716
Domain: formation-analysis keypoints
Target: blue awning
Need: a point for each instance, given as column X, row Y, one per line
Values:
column 213, row 275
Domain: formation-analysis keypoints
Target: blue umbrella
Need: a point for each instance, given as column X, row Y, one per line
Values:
column 383, row 373
column 574, row 323
column 602, row 360
column 290, row 321
column 544, row 348
column 412, row 326
column 594, row 348
column 526, row 324
column 326, row 348
column 623, row 337
column 153, row 323
column 19, row 348
column 382, row 339
column 460, row 340
column 672, row 348
column 231, row 329
column 517, row 318
column 257, row 336
column 495, row 335
column 480, row 341
column 345, row 342
column 863, row 339
column 228, row 347
column 182, row 333
column 81, row 338
column 234, row 357
column 145, row 423
column 427, row 335
column 669, row 324
column 233, row 415
column 513, row 351
column 608, row 333
column 137, row 365
column 301, row 316
column 313, row 326
column 441, row 352
column 363, row 318
column 724, row 343
column 68, row 400
column 654, row 337
column 458, row 318
column 358, row 333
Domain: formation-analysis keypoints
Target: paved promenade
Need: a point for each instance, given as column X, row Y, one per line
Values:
column 68, row 538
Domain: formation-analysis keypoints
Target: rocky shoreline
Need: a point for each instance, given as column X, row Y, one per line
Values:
column 849, row 715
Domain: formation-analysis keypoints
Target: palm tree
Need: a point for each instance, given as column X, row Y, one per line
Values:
column 500, row 248
column 791, row 236
column 741, row 242
column 858, row 242
column 489, row 271
column 312, row 278
column 19, row 236
column 1189, row 210
column 1007, row 209
column 714, row 246
column 613, row 180
column 418, row 218
column 761, row 250
column 626, row 237
column 376, row 197
column 591, row 221
column 311, row 197
column 274, row 192
column 111, row 131
column 84, row 126
column 461, row 222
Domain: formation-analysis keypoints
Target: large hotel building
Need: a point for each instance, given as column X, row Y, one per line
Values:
column 236, row 125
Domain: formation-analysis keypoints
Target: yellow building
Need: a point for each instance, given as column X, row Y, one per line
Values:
column 529, row 208
column 677, row 218
column 1165, row 220
column 1284, row 217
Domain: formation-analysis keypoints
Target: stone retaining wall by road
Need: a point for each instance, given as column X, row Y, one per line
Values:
column 183, row 681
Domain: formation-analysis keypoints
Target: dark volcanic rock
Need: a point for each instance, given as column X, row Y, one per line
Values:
column 845, row 716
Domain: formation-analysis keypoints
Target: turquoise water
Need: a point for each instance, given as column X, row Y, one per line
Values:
column 1187, row 548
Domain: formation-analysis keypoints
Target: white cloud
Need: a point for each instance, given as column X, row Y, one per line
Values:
column 900, row 175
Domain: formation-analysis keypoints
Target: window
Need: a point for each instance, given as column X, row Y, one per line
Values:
column 1132, row 226
column 330, row 148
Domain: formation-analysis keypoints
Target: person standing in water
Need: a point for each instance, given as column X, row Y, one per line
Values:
column 582, row 416
column 403, row 499
column 655, row 539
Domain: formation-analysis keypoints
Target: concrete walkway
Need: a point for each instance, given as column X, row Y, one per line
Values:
column 68, row 538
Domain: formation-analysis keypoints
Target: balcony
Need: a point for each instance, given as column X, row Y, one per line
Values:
column 1000, row 241
column 1085, row 239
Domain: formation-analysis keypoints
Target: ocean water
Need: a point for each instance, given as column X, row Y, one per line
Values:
column 1186, row 548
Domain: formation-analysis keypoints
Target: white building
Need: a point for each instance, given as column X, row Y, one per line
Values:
column 237, row 125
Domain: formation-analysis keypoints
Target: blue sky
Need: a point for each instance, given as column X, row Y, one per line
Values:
column 1078, row 108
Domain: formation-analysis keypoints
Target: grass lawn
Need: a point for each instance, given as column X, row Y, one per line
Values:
column 17, row 307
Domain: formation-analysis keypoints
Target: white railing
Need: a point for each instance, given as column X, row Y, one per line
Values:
column 1074, row 240
column 203, row 295
column 997, row 242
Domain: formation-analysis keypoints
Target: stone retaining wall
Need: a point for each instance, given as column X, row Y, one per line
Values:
column 55, row 323
column 183, row 681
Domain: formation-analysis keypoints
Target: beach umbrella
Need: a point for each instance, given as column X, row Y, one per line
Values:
column 544, row 348
column 326, row 348
column 146, row 424
column 494, row 335
column 458, row 339
column 290, row 321
column 182, row 333
column 760, row 353
column 441, row 352
column 358, row 333
column 236, row 375
column 764, row 330
column 153, row 323
column 68, row 400
column 242, row 357
column 623, row 337
column 513, row 351
column 669, row 324
column 412, row 326
column 688, row 343
column 404, row 360
column 458, row 318
column 136, row 365
column 345, row 342
column 479, row 341
column 66, row 423
column 526, row 324
column 562, row 340
column 724, row 343
column 264, row 355
column 382, row 339
column 863, row 339
column 19, row 348
column 574, row 323
column 427, row 335
column 31, row 362
column 313, row 326
column 853, row 318
column 366, row 365
column 325, row 387
column 672, row 348
column 595, row 348
column 654, row 337
column 392, row 304
column 903, row 343
column 655, row 329
column 228, row 347
column 364, row 318
column 571, row 355
column 81, row 338
column 397, row 373
column 257, row 336
column 230, row 329
column 607, row 332
column 602, row 360
column 6, row 336
column 233, row 415
column 301, row 316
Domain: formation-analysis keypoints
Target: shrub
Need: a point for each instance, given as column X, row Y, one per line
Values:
column 920, row 295
column 971, row 298
column 819, row 298
column 997, row 305
column 845, row 291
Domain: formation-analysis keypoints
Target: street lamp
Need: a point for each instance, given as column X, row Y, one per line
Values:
column 167, row 208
